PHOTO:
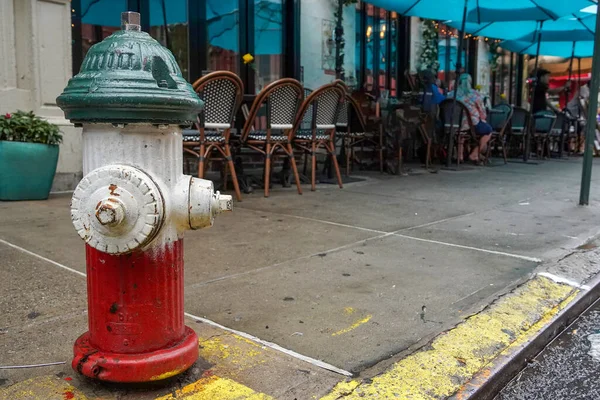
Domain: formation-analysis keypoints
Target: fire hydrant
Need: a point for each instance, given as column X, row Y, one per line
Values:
column 133, row 205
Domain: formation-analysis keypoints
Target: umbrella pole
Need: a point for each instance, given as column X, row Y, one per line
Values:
column 566, row 123
column 535, row 83
column 167, row 38
column 590, row 126
column 461, row 37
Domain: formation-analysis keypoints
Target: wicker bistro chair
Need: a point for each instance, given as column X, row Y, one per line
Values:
column 358, row 133
column 324, row 104
column 499, row 119
column 222, row 93
column 281, row 100
column 543, row 123
column 560, row 132
column 519, row 127
column 452, row 121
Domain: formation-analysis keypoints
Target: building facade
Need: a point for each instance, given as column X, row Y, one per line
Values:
column 43, row 43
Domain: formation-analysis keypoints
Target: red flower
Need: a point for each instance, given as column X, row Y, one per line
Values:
column 7, row 115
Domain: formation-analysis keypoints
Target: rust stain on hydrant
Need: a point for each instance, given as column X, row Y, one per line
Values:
column 112, row 189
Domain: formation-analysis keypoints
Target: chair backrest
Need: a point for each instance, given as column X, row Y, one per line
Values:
column 520, row 118
column 281, row 99
column 453, row 114
column 342, row 118
column 357, row 122
column 307, row 118
column 559, row 123
column 222, row 93
column 412, row 81
column 544, row 121
column 324, row 104
column 500, row 117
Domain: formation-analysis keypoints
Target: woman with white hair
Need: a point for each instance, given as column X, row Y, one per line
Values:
column 472, row 99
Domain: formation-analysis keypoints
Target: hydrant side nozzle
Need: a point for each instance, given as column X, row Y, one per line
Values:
column 204, row 203
column 222, row 203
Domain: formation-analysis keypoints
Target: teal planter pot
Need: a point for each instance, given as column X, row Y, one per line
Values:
column 26, row 170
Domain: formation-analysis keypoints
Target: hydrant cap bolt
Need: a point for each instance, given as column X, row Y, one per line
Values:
column 130, row 21
column 117, row 209
column 110, row 212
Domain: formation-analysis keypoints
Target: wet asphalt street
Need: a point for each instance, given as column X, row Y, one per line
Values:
column 568, row 369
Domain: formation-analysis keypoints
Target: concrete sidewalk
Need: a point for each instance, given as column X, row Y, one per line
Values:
column 322, row 286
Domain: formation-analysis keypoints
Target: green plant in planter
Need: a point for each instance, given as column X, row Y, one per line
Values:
column 28, row 156
column 27, row 127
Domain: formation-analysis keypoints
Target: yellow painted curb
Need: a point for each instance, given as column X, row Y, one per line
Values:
column 454, row 357
column 215, row 388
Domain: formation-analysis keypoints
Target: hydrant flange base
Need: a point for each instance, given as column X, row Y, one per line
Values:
column 117, row 209
column 139, row 367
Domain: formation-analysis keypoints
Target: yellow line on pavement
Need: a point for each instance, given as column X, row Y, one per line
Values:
column 215, row 388
column 454, row 357
column 353, row 326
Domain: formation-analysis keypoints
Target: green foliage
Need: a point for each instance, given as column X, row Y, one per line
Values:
column 428, row 58
column 494, row 54
column 340, row 42
column 24, row 126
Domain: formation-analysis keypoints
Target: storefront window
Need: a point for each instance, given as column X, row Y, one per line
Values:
column 268, row 22
column 358, row 41
column 223, row 24
column 369, row 48
column 99, row 19
column 169, row 25
column 393, row 53
column 383, row 41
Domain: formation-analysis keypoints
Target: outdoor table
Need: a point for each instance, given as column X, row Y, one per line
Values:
column 401, row 120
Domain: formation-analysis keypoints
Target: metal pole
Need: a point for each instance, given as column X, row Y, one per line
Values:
column 165, row 25
column 535, row 83
column 461, row 37
column 511, row 73
column 590, row 126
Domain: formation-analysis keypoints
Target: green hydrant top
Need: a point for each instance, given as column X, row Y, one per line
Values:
column 129, row 77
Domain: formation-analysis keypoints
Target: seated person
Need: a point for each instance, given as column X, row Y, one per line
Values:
column 432, row 94
column 576, row 108
column 472, row 99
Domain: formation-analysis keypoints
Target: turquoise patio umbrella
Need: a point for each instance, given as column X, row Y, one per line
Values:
column 580, row 26
column 564, row 49
column 482, row 11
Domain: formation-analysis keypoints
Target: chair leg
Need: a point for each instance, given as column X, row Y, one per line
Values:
column 428, row 156
column 348, row 155
column 201, row 161
column 362, row 152
column 380, row 155
column 305, row 163
column 504, row 150
column 295, row 168
column 225, row 176
column 335, row 164
column 267, row 169
column 236, row 185
column 313, row 171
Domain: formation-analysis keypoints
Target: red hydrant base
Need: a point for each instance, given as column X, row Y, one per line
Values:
column 140, row 367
